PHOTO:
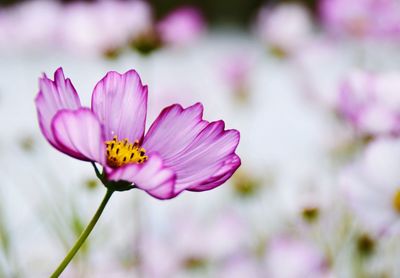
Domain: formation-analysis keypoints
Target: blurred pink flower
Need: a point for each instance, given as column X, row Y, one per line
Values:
column 292, row 258
column 83, row 28
column 371, row 102
column 235, row 71
column 284, row 28
column 362, row 18
column 224, row 236
column 180, row 151
column 321, row 88
column 156, row 258
column 30, row 25
column 181, row 27
column 202, row 243
column 241, row 266
column 372, row 187
column 103, row 26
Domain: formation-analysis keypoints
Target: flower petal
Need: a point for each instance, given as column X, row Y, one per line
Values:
column 120, row 103
column 227, row 168
column 79, row 134
column 201, row 153
column 173, row 130
column 151, row 176
column 54, row 96
column 209, row 160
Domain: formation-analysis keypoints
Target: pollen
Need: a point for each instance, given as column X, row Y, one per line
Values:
column 396, row 201
column 121, row 152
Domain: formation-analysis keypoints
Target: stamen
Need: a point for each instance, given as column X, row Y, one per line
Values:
column 120, row 152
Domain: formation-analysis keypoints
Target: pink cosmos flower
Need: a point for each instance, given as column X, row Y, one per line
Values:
column 180, row 150
column 181, row 27
column 102, row 26
column 371, row 102
column 30, row 25
column 235, row 71
column 362, row 18
column 82, row 28
column 372, row 187
column 285, row 28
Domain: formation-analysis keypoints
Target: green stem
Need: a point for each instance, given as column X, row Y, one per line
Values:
column 98, row 174
column 83, row 236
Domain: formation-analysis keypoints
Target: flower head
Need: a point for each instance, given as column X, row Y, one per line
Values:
column 180, row 151
column 362, row 18
column 235, row 69
column 371, row 103
column 103, row 26
column 285, row 28
column 30, row 25
column 82, row 28
column 181, row 27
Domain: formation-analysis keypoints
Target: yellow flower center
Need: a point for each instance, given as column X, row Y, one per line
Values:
column 396, row 201
column 121, row 152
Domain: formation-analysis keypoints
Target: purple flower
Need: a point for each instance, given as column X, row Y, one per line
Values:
column 180, row 150
column 181, row 27
column 371, row 102
column 362, row 18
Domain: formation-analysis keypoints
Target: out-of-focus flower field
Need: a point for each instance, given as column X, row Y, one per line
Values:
column 315, row 96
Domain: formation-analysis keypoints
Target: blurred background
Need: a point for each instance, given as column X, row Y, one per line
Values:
column 236, row 11
column 313, row 87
